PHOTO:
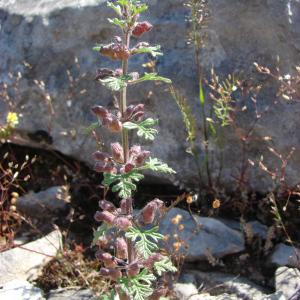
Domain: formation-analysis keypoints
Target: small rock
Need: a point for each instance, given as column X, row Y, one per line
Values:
column 188, row 278
column 204, row 236
column 259, row 229
column 284, row 255
column 20, row 290
column 275, row 296
column 25, row 262
column 48, row 202
column 188, row 291
column 70, row 294
column 287, row 281
column 225, row 283
column 185, row 291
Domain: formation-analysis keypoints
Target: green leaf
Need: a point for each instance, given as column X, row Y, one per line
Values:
column 115, row 83
column 123, row 2
column 99, row 232
column 138, row 9
column 201, row 94
column 138, row 287
column 91, row 128
column 98, row 47
column 116, row 8
column 164, row 265
column 117, row 22
column 144, row 128
column 110, row 296
column 154, row 51
column 123, row 184
column 145, row 241
column 156, row 165
column 152, row 77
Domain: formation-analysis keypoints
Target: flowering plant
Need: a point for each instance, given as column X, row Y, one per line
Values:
column 136, row 265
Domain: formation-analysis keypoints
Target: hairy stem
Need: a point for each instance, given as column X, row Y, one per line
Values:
column 123, row 102
column 125, row 142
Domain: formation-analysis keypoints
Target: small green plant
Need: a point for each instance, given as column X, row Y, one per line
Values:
column 136, row 264
column 219, row 100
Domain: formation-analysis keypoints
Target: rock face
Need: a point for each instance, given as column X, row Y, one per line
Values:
column 20, row 290
column 200, row 237
column 49, row 34
column 45, row 203
column 71, row 294
column 25, row 262
column 284, row 255
column 287, row 281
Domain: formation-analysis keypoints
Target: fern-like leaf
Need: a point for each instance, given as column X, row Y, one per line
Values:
column 145, row 241
column 164, row 265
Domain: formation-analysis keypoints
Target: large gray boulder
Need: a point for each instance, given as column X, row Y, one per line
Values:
column 49, row 34
column 199, row 238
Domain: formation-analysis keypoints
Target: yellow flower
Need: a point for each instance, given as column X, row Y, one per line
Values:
column 12, row 119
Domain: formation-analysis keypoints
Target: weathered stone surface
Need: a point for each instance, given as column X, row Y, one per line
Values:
column 258, row 229
column 188, row 291
column 20, row 290
column 221, row 283
column 48, row 202
column 287, row 281
column 26, row 261
column 185, row 291
column 71, row 294
column 284, row 255
column 275, row 296
column 48, row 35
column 204, row 236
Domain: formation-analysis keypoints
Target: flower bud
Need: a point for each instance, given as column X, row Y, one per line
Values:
column 128, row 112
column 106, row 258
column 150, row 211
column 105, row 216
column 128, row 167
column 100, row 111
column 137, row 117
column 134, row 150
column 115, row 51
column 106, row 205
column 117, row 152
column 141, row 157
column 140, row 28
column 114, row 274
column 101, row 156
column 121, row 248
column 152, row 259
column 105, row 167
column 138, row 108
column 122, row 223
column 133, row 269
column 126, row 206
column 103, row 73
column 115, row 125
